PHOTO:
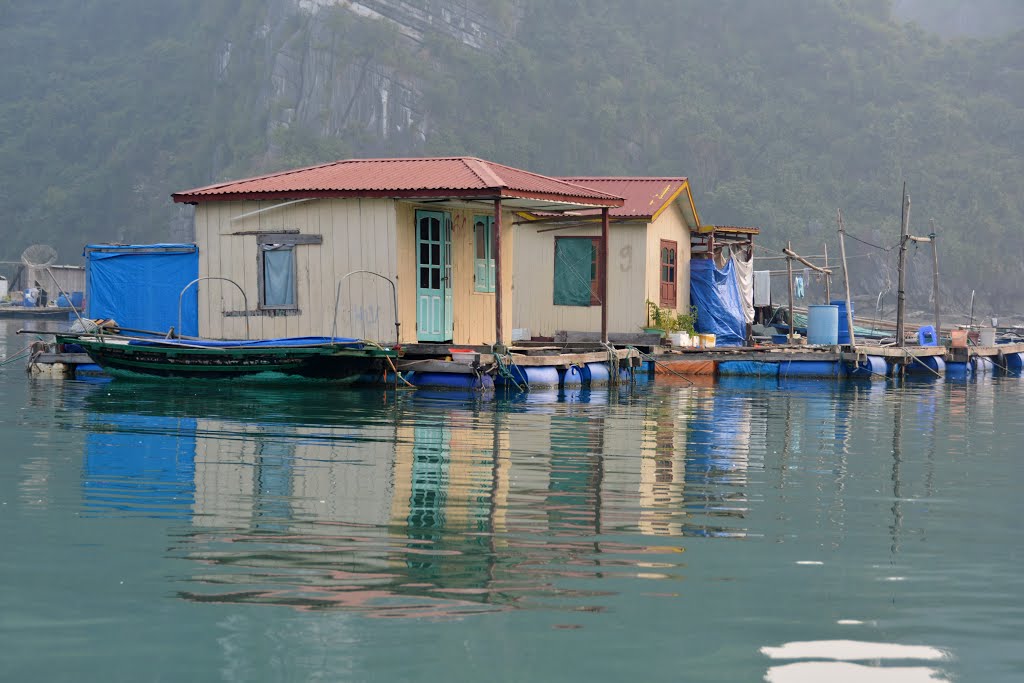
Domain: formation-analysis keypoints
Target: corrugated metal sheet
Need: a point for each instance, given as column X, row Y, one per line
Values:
column 424, row 177
column 645, row 197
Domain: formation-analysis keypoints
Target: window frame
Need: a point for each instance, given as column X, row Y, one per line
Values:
column 673, row 247
column 285, row 241
column 486, row 263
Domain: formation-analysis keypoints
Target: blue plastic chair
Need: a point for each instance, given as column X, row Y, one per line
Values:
column 926, row 336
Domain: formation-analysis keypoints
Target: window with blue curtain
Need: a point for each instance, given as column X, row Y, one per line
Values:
column 277, row 266
column 483, row 243
column 576, row 271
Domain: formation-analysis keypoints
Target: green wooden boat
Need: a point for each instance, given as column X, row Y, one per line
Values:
column 342, row 360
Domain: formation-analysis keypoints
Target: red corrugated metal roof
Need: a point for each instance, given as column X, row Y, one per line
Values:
column 450, row 177
column 645, row 196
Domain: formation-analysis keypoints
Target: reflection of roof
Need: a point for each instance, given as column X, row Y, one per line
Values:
column 442, row 177
column 645, row 197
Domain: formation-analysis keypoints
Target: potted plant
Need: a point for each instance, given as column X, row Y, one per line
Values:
column 667, row 321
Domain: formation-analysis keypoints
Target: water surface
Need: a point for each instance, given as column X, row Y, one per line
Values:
column 744, row 531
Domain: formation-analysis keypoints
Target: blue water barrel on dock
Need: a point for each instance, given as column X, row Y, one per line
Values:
column 874, row 367
column 77, row 299
column 823, row 325
column 572, row 378
column 808, row 368
column 958, row 370
column 928, row 366
column 983, row 366
column 443, row 380
column 535, row 376
column 596, row 373
column 843, row 330
column 1014, row 362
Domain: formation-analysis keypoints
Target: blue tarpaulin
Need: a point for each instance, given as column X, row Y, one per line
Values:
column 138, row 285
column 716, row 295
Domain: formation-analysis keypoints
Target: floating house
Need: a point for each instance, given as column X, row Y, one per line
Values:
column 557, row 269
column 309, row 251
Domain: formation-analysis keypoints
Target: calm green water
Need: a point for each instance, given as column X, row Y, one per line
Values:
column 672, row 533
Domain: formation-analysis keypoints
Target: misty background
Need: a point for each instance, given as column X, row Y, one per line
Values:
column 779, row 112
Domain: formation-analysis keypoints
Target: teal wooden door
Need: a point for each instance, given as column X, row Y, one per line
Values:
column 434, row 276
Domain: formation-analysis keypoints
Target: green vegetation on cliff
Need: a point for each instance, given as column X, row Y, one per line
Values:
column 779, row 112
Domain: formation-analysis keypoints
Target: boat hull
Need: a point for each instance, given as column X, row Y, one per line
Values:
column 332, row 363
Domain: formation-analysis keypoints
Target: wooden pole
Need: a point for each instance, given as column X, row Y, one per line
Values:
column 828, row 279
column 935, row 282
column 602, row 274
column 846, row 277
column 499, row 330
column 901, row 298
column 789, row 273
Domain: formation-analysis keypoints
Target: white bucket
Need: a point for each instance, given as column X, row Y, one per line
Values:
column 987, row 336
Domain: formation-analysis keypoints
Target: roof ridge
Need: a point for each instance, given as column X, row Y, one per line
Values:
column 480, row 169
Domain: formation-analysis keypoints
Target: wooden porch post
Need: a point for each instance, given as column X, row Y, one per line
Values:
column 499, row 331
column 602, row 271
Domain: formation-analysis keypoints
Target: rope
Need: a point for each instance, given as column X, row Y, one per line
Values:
column 670, row 370
column 504, row 363
column 398, row 375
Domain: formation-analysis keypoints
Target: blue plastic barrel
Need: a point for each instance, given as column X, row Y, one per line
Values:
column 983, row 366
column 63, row 301
column 77, row 299
column 843, row 331
column 958, row 370
column 808, row 368
column 446, row 380
column 874, row 366
column 928, row 366
column 573, row 377
column 597, row 372
column 823, row 325
column 747, row 368
column 1014, row 362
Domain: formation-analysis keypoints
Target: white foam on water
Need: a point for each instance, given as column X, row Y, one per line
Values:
column 852, row 650
column 844, row 672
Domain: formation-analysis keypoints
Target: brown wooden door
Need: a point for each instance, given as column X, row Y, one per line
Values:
column 669, row 271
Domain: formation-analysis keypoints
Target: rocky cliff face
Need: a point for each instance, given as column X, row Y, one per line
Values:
column 342, row 69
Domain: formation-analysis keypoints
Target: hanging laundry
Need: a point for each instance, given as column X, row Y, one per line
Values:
column 762, row 288
column 798, row 286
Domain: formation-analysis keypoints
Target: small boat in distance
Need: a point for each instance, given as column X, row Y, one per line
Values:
column 336, row 359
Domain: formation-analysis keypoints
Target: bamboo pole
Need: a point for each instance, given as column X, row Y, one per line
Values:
column 935, row 282
column 846, row 277
column 499, row 331
column 901, row 298
column 789, row 272
column 828, row 279
column 602, row 273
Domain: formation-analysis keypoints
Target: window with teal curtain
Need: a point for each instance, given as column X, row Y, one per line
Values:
column 278, row 273
column 575, row 271
column 483, row 244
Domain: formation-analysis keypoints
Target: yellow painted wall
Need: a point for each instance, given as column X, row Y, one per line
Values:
column 535, row 276
column 473, row 315
column 670, row 225
column 357, row 234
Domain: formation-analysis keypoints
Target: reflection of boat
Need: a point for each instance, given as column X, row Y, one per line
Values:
column 36, row 312
column 329, row 358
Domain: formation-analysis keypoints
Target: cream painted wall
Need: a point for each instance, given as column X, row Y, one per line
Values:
column 670, row 225
column 535, row 276
column 358, row 234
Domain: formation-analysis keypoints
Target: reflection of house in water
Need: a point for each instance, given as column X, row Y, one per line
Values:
column 433, row 506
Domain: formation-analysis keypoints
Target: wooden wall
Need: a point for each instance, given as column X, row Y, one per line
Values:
column 357, row 234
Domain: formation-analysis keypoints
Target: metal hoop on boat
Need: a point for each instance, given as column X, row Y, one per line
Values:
column 337, row 300
column 245, row 299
